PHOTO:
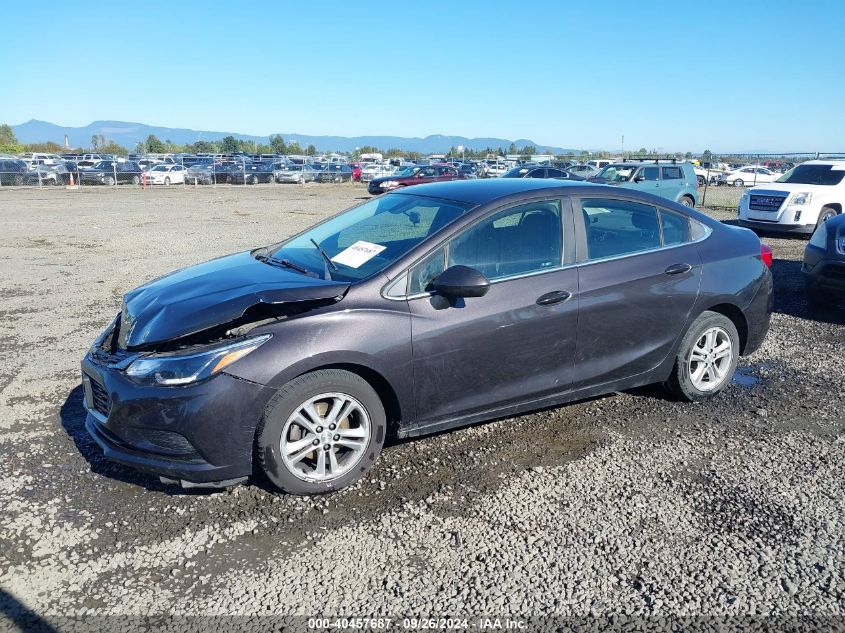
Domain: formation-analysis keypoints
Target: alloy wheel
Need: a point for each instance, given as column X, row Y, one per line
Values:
column 325, row 437
column 710, row 359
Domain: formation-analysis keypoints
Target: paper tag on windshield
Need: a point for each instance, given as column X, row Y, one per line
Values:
column 359, row 253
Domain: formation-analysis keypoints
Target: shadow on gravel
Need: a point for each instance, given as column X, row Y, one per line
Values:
column 73, row 416
column 790, row 298
column 24, row 618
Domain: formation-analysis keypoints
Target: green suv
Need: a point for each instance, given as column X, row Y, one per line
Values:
column 667, row 179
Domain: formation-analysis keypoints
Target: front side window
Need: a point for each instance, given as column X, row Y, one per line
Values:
column 619, row 227
column 649, row 173
column 520, row 240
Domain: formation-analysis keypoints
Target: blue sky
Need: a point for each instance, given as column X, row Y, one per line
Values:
column 764, row 75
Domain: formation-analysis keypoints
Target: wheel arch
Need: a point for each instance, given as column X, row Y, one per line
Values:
column 836, row 206
column 737, row 317
column 385, row 391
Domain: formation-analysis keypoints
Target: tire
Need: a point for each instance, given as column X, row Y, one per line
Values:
column 167, row 181
column 687, row 201
column 18, row 180
column 298, row 472
column 109, row 180
column 136, row 180
column 701, row 181
column 683, row 383
column 824, row 215
column 739, row 182
column 254, row 180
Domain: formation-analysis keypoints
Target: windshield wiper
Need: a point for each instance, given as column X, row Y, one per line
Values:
column 267, row 259
column 325, row 256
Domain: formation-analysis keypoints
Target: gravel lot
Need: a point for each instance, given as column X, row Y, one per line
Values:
column 627, row 504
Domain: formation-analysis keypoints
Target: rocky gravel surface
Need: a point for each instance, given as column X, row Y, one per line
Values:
column 629, row 505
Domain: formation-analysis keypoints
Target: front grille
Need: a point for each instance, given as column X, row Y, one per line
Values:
column 99, row 397
column 765, row 203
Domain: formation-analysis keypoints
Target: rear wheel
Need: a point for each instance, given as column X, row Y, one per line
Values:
column 254, row 180
column 167, row 181
column 707, row 358
column 321, row 432
column 136, row 180
column 109, row 180
column 739, row 182
column 687, row 201
column 701, row 181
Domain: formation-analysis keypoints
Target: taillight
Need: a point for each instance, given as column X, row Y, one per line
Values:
column 766, row 254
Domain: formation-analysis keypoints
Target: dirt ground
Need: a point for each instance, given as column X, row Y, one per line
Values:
column 629, row 504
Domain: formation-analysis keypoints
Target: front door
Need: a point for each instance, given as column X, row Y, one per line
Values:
column 513, row 344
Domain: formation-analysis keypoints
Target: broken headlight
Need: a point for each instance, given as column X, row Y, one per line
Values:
column 184, row 368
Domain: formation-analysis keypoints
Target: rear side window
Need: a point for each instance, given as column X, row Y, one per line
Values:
column 676, row 228
column 672, row 173
column 537, row 173
column 619, row 227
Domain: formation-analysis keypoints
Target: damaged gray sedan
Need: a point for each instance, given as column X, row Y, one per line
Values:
column 413, row 313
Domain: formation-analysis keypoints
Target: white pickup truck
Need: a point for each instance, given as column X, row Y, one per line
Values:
column 797, row 202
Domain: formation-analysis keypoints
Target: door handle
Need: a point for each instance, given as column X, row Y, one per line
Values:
column 677, row 269
column 551, row 298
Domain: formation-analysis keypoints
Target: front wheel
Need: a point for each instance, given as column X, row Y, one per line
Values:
column 739, row 182
column 321, row 432
column 109, row 180
column 707, row 358
column 136, row 180
column 824, row 215
column 166, row 181
column 701, row 181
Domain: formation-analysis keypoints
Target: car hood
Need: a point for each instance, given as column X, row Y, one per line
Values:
column 211, row 294
column 784, row 187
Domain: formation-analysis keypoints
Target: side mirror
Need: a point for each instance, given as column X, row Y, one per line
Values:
column 639, row 179
column 461, row 281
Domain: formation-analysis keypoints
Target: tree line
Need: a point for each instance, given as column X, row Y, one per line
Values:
column 9, row 144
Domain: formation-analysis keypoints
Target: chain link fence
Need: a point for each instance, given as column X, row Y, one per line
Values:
column 53, row 170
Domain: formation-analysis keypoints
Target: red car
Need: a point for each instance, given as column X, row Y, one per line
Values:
column 415, row 176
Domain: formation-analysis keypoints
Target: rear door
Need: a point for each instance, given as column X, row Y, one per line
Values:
column 672, row 181
column 639, row 273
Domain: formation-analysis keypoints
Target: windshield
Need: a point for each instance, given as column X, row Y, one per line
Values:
column 407, row 171
column 103, row 164
column 161, row 168
column 617, row 173
column 370, row 237
column 814, row 175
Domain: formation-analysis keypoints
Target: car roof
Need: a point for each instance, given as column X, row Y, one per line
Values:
column 489, row 189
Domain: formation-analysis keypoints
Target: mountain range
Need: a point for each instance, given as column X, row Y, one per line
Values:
column 130, row 134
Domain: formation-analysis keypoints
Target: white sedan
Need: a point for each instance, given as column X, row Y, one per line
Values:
column 166, row 175
column 748, row 175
